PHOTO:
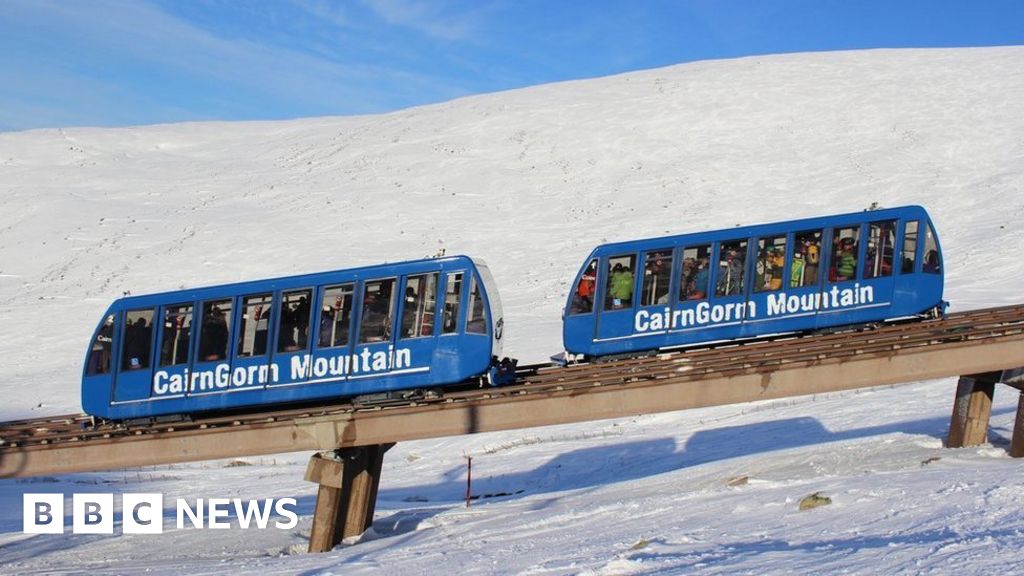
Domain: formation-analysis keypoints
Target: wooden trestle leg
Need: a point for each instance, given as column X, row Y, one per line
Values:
column 345, row 502
column 972, row 410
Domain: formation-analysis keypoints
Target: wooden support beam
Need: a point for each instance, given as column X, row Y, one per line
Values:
column 1017, row 443
column 1015, row 379
column 972, row 409
column 347, row 496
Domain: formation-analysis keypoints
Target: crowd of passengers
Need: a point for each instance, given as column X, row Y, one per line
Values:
column 770, row 270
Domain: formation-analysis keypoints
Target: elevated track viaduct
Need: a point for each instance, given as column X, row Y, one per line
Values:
column 982, row 347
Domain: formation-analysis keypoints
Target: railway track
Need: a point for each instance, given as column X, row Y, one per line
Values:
column 691, row 364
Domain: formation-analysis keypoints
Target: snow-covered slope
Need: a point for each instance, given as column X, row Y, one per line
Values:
column 530, row 180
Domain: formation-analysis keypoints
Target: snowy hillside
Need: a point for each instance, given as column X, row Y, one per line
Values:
column 530, row 180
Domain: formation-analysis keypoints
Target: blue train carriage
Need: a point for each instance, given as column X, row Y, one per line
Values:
column 755, row 281
column 331, row 335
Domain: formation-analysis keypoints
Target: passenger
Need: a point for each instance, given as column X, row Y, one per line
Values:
column 214, row 339
column 583, row 300
column 326, row 325
column 686, row 276
column 730, row 281
column 846, row 260
column 99, row 358
column 621, row 286
column 700, row 280
column 931, row 262
column 763, row 269
column 409, row 312
column 137, row 344
column 812, row 256
column 301, row 318
column 662, row 278
column 778, row 265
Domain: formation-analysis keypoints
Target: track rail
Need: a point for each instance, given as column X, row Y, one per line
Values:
column 987, row 339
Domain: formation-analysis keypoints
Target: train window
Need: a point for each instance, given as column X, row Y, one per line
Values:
column 378, row 311
column 657, row 276
column 618, row 289
column 803, row 267
column 336, row 316
column 881, row 246
column 102, row 346
column 177, row 329
column 771, row 263
column 931, row 263
column 731, row 268
column 214, row 331
column 693, row 278
column 909, row 247
column 293, row 326
column 583, row 296
column 418, row 308
column 255, row 322
column 452, row 293
column 138, row 339
column 845, row 242
column 476, row 322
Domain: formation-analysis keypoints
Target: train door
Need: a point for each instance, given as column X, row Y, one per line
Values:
column 251, row 365
column 290, row 364
column 615, row 313
column 211, row 369
column 135, row 367
column 653, row 315
column 175, row 342
column 694, row 291
column 375, row 337
column 729, row 304
column 803, row 281
column 845, row 267
column 417, row 316
column 332, row 349
column 877, row 286
column 766, row 292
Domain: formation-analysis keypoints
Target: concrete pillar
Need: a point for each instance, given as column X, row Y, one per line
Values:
column 972, row 409
column 347, row 495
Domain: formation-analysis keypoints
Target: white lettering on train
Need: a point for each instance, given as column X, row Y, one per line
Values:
column 779, row 304
column 303, row 366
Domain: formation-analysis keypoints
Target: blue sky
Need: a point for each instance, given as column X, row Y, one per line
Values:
column 125, row 62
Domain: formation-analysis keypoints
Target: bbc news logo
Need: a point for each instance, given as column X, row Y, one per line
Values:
column 143, row 513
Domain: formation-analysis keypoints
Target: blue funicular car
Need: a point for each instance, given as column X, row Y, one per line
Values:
column 315, row 337
column 754, row 281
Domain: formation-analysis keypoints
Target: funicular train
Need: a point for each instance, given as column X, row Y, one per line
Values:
column 753, row 281
column 432, row 323
column 340, row 334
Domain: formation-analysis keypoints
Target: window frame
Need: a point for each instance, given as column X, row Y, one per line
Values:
column 389, row 326
column 607, row 304
column 644, row 255
column 710, row 246
column 123, row 350
column 279, row 317
column 783, row 274
column 421, row 303
column 322, row 299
